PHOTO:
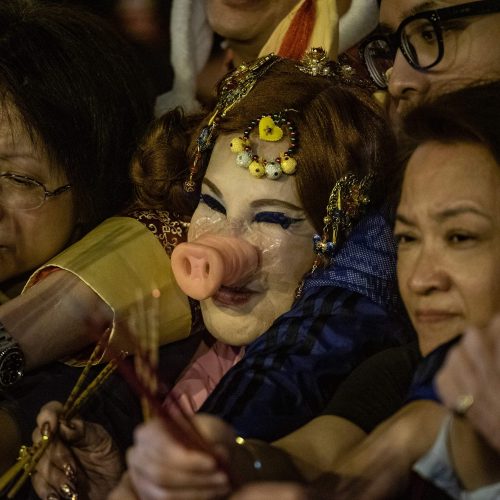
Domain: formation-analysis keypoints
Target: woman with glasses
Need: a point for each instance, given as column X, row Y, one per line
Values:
column 423, row 49
column 73, row 104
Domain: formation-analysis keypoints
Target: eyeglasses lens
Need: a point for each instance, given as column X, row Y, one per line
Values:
column 19, row 194
column 420, row 42
column 379, row 58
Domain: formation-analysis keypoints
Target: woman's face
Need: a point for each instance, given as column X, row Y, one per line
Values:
column 448, row 228
column 29, row 238
column 267, row 213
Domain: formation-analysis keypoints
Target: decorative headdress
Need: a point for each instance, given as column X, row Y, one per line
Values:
column 272, row 127
column 316, row 63
column 233, row 88
column 346, row 203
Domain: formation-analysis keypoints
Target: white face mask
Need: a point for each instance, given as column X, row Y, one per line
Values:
column 268, row 214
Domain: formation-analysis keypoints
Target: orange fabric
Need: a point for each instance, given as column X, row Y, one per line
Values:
column 299, row 33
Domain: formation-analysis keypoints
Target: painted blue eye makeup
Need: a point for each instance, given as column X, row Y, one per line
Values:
column 212, row 203
column 276, row 218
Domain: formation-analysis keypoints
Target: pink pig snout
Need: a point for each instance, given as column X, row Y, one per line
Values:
column 203, row 266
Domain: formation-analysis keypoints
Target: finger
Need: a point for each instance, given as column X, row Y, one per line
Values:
column 57, row 466
column 147, row 490
column 153, row 442
column 49, row 413
column 41, row 487
column 73, row 431
column 214, row 430
column 478, row 349
column 45, row 489
column 43, row 431
column 457, row 377
column 176, row 473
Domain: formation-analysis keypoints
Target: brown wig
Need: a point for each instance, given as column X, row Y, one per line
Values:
column 340, row 128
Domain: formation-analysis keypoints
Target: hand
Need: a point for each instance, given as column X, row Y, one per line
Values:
column 81, row 456
column 160, row 467
column 473, row 368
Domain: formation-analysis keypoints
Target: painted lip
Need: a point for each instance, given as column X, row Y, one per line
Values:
column 431, row 316
column 233, row 297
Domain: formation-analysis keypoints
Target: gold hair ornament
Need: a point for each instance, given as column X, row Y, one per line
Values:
column 233, row 89
column 316, row 63
column 346, row 203
column 272, row 128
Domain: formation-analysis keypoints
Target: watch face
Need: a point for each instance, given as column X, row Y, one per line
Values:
column 11, row 366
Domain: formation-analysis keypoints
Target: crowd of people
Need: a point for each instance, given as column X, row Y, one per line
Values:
column 350, row 347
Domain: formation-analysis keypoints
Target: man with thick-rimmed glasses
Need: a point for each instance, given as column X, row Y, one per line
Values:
column 426, row 48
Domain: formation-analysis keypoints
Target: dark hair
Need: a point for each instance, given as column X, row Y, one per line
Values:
column 80, row 94
column 466, row 115
column 341, row 129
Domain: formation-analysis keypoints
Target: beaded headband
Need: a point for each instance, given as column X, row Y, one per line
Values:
column 272, row 128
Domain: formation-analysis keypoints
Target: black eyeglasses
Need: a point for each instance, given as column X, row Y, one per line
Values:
column 419, row 37
column 24, row 193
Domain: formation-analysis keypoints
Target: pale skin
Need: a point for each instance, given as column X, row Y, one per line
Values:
column 475, row 58
column 82, row 315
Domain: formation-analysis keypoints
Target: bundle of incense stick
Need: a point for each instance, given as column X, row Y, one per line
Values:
column 29, row 456
column 144, row 326
column 144, row 378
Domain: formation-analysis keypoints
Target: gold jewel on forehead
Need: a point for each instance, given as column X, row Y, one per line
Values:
column 346, row 203
column 233, row 89
column 272, row 128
